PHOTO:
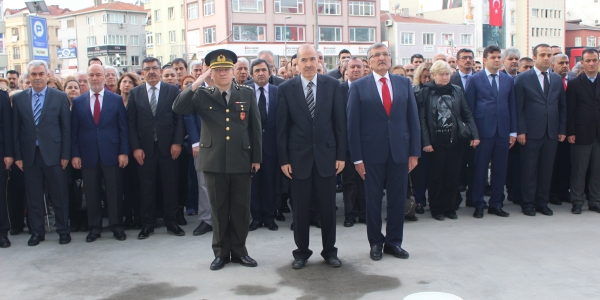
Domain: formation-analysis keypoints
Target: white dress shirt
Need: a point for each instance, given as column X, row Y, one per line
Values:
column 379, row 85
column 93, row 100
column 266, row 89
column 462, row 78
column 314, row 87
column 149, row 90
column 540, row 76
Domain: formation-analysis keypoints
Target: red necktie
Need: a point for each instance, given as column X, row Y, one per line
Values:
column 385, row 94
column 97, row 110
column 565, row 83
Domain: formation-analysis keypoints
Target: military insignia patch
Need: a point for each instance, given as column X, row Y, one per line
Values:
column 243, row 116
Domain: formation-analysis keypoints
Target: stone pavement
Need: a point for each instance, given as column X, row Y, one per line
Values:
column 518, row 257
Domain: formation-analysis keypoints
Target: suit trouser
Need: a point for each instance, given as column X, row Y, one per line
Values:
column 396, row 177
column 537, row 162
column 204, row 211
column 495, row 149
column 15, row 197
column 131, row 189
column 92, row 187
column 169, row 173
column 263, row 201
column 513, row 175
column 55, row 177
column 184, row 161
column 444, row 167
column 584, row 157
column 77, row 215
column 229, row 195
column 304, row 191
column 192, row 194
column 4, row 221
column 354, row 191
column 561, row 175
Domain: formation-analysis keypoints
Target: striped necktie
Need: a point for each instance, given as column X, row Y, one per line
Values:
column 310, row 99
column 153, row 100
column 37, row 108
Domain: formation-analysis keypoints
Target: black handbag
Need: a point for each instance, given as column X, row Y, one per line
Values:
column 464, row 131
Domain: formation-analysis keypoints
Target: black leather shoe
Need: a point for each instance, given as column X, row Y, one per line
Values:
column 128, row 223
column 333, row 261
column 36, row 239
column 419, row 209
column 555, row 201
column 595, row 208
column 75, row 228
column 180, row 217
column 478, row 213
column 272, row 226
column 498, row 212
column 175, row 230
column 64, row 239
column 254, row 225
column 245, row 261
column 452, row 216
column 362, row 220
column 528, row 211
column 92, row 237
column 120, row 235
column 298, row 263
column 16, row 231
column 218, row 263
column 145, row 233
column 4, row 242
column 202, row 228
column 349, row 222
column 285, row 208
column 439, row 217
column 316, row 223
column 376, row 252
column 544, row 210
column 396, row 251
column 576, row 209
column 279, row 216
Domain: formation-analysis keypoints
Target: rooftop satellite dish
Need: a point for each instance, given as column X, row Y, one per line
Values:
column 36, row 7
column 397, row 6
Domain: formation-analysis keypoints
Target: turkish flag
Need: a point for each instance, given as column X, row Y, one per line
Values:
column 495, row 12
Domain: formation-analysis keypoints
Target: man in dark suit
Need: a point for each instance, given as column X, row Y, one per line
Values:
column 263, row 201
column 7, row 153
column 491, row 98
column 155, row 136
column 100, row 148
column 541, row 114
column 42, row 135
column 337, row 72
column 384, row 133
column 230, row 149
column 311, row 142
column 273, row 79
column 352, row 184
column 583, row 131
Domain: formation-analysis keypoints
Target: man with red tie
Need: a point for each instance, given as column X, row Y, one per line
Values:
column 100, row 147
column 384, row 136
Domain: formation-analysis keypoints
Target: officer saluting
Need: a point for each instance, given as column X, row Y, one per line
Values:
column 230, row 148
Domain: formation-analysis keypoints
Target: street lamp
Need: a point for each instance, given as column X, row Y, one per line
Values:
column 285, row 36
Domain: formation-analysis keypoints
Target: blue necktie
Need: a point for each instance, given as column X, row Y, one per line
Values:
column 37, row 108
column 494, row 86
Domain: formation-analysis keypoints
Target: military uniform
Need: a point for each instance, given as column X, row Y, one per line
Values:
column 230, row 141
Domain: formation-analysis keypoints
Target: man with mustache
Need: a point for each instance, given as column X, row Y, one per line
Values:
column 13, row 80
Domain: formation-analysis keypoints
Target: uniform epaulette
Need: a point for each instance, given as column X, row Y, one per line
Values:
column 208, row 88
column 245, row 86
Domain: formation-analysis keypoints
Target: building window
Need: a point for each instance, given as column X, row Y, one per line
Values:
column 407, row 38
column 249, row 6
column 466, row 39
column 362, row 34
column 577, row 41
column 182, row 11
column 330, row 34
column 134, row 40
column 91, row 20
column 115, row 40
column 362, row 8
column 513, row 17
column 135, row 60
column 291, row 33
column 209, row 7
column 15, row 31
column 91, row 41
column 16, row 52
column 159, row 59
column 157, row 15
column 133, row 20
column 113, row 18
column 249, row 33
column 158, row 38
column 534, row 12
column 405, row 60
column 209, row 36
column 193, row 11
column 428, row 38
column 71, row 23
column 289, row 6
column 447, row 39
column 513, row 40
column 172, row 37
column 149, row 40
column 171, row 13
column 591, row 41
column 329, row 7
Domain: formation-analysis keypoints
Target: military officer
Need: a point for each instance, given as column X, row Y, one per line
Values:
column 230, row 149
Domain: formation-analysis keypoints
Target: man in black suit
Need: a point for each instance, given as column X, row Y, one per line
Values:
column 273, row 79
column 352, row 184
column 541, row 117
column 337, row 72
column 311, row 142
column 6, row 152
column 155, row 136
column 583, row 129
column 42, row 135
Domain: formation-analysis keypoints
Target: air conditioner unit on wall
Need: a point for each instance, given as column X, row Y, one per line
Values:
column 389, row 23
column 121, row 25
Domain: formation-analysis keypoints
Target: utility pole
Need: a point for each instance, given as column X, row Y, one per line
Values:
column 316, row 25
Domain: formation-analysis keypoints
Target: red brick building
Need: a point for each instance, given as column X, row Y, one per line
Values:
column 579, row 37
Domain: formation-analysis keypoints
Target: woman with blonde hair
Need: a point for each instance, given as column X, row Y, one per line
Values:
column 55, row 83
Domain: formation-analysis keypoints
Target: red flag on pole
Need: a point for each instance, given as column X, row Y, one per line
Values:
column 495, row 12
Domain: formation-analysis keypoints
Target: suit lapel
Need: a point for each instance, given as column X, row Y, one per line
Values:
column 272, row 104
column 538, row 87
column 396, row 88
column 583, row 80
column 597, row 83
column 234, row 97
column 320, row 96
column 162, row 98
column 373, row 87
column 300, row 96
column 47, row 98
column 106, row 102
column 28, row 104
column 87, row 107
column 145, row 98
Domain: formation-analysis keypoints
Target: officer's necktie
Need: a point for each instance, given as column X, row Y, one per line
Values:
column 310, row 99
column 37, row 108
column 546, row 84
column 224, row 95
column 494, row 86
column 262, row 106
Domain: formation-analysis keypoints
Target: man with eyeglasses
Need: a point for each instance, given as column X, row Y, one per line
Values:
column 337, row 72
column 155, row 136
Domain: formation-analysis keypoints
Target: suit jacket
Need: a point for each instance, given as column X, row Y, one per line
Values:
column 269, row 132
column 273, row 80
column 6, row 127
column 537, row 114
column 582, row 101
column 456, row 80
column 492, row 115
column 53, row 131
column 303, row 141
column 231, row 135
column 345, row 92
column 108, row 139
column 372, row 132
column 169, row 125
column 193, row 125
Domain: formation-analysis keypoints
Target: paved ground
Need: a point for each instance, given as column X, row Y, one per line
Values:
column 518, row 257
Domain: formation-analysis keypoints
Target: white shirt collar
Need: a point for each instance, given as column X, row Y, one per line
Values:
column 305, row 81
column 266, row 87
column 488, row 73
column 538, row 72
column 378, row 77
column 101, row 93
column 148, row 87
column 462, row 75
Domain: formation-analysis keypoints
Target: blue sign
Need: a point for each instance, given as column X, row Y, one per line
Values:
column 64, row 53
column 39, row 37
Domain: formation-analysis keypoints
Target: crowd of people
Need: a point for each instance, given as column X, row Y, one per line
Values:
column 235, row 143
